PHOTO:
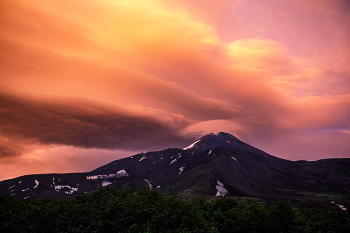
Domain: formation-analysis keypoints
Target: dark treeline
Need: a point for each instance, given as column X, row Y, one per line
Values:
column 110, row 210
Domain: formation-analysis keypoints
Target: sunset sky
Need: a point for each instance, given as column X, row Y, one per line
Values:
column 83, row 83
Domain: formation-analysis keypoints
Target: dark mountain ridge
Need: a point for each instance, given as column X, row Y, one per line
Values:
column 216, row 164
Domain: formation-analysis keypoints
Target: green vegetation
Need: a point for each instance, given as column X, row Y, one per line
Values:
column 111, row 210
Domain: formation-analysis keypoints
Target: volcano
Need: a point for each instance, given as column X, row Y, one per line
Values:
column 216, row 164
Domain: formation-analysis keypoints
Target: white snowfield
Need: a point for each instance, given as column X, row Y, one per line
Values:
column 191, row 146
column 221, row 191
column 119, row 174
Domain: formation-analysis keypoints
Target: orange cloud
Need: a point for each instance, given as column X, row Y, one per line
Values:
column 263, row 55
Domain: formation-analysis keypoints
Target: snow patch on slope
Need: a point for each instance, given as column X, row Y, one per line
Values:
column 149, row 184
column 340, row 206
column 11, row 187
column 174, row 160
column 119, row 174
column 36, row 184
column 221, row 191
column 105, row 183
column 96, row 177
column 191, row 146
column 181, row 169
column 67, row 189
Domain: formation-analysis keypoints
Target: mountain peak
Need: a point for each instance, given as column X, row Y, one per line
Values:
column 215, row 133
column 221, row 139
column 213, row 140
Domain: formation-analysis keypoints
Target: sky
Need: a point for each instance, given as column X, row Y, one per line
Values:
column 83, row 83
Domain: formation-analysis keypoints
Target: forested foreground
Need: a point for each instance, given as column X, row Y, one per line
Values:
column 110, row 210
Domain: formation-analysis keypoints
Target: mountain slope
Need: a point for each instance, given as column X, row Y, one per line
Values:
column 217, row 162
column 220, row 139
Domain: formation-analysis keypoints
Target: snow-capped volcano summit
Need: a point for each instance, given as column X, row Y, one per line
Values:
column 220, row 139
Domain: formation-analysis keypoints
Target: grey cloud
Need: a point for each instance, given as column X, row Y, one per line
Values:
column 81, row 124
